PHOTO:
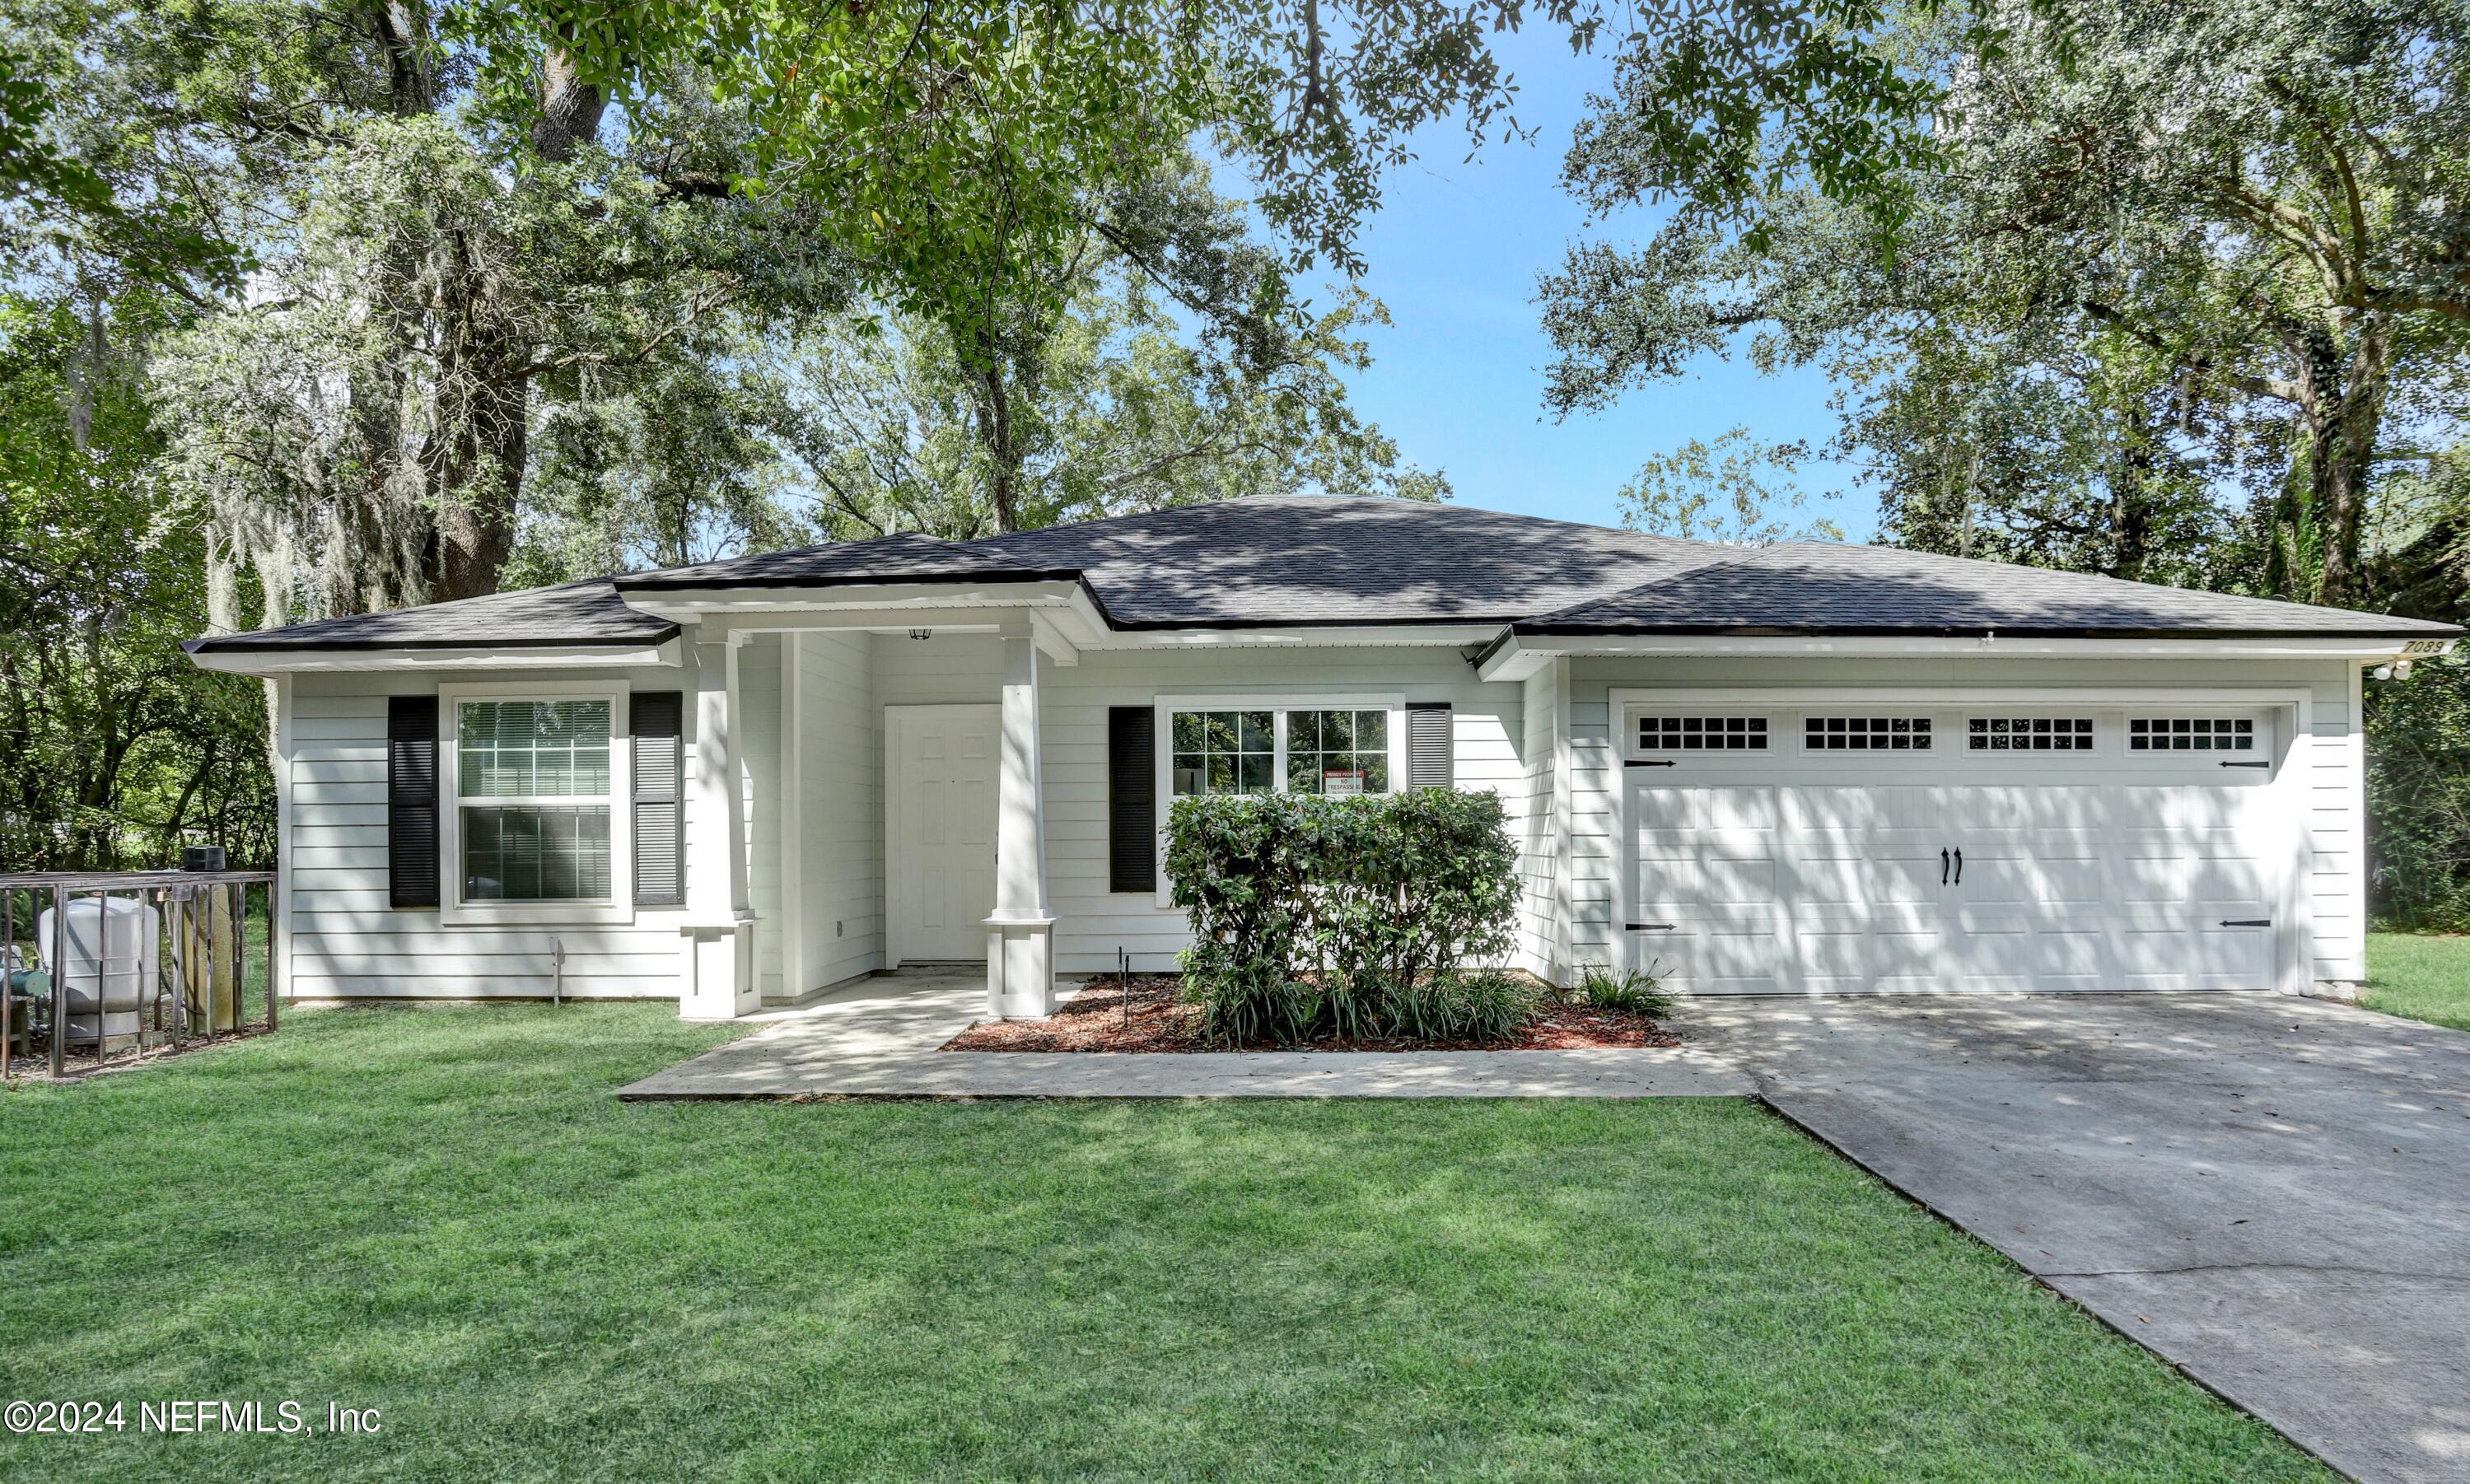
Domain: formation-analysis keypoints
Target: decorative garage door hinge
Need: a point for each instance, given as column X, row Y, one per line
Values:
column 2246, row 922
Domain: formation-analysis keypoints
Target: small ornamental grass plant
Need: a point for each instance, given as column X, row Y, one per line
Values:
column 1351, row 918
column 1626, row 989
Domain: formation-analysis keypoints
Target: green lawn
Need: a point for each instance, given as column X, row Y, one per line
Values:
column 442, row 1214
column 2424, row 978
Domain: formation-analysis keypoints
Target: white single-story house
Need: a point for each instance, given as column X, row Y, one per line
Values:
column 1789, row 769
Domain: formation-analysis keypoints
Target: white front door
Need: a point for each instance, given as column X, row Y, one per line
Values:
column 940, row 829
column 1783, row 860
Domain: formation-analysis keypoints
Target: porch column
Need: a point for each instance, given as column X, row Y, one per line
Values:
column 1020, row 935
column 716, row 976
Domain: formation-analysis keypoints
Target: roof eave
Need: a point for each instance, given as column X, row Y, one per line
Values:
column 439, row 654
column 2404, row 631
column 1522, row 650
column 683, row 582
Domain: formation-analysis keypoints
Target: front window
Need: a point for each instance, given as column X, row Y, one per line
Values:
column 532, row 793
column 1336, row 752
column 1224, row 751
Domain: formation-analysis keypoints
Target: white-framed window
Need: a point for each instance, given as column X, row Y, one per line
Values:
column 1702, row 733
column 2028, row 734
column 2191, row 734
column 1337, row 749
column 1865, row 733
column 1346, row 746
column 534, row 822
column 1229, row 751
column 1288, row 743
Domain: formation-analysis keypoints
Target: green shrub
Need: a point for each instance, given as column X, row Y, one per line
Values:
column 1361, row 917
column 1626, row 990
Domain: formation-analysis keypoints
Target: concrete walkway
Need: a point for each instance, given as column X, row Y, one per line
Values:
column 879, row 1039
column 2273, row 1193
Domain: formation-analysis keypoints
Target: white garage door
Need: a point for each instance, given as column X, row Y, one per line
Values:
column 1859, row 846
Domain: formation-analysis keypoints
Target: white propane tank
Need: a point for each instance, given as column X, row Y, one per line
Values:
column 108, row 969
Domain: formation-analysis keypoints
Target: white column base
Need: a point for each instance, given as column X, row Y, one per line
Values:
column 716, row 971
column 1020, row 967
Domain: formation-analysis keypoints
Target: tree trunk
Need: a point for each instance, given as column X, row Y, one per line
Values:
column 402, row 32
column 475, row 530
column 2131, row 497
column 996, row 431
column 570, row 108
column 2345, row 462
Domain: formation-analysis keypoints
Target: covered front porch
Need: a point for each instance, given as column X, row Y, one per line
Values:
column 867, row 791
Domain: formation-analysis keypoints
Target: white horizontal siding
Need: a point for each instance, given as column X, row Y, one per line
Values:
column 1485, row 727
column 347, row 942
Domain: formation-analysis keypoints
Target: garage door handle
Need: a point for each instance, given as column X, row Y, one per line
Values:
column 1650, row 927
column 1959, row 867
column 2257, row 763
column 2246, row 922
column 1941, row 867
column 1649, row 762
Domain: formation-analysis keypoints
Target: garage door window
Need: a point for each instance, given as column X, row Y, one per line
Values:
column 2190, row 735
column 2029, row 733
column 1702, row 733
column 1865, row 733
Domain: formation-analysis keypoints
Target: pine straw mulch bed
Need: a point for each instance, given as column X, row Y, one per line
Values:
column 1151, row 1016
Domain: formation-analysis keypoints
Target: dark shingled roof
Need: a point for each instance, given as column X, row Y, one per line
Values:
column 905, row 556
column 589, row 612
column 1815, row 588
column 1278, row 561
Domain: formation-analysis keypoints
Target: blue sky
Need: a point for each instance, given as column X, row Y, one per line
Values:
column 1455, row 252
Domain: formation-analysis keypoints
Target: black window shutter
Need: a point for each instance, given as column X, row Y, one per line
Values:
column 657, row 722
column 1131, row 799
column 1427, row 747
column 411, row 800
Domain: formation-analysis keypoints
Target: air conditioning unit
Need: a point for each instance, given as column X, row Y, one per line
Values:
column 108, row 965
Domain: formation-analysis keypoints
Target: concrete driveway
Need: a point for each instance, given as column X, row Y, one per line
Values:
column 2274, row 1193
